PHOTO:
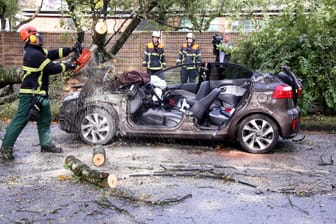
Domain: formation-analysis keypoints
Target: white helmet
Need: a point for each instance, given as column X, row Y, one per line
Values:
column 191, row 36
column 156, row 34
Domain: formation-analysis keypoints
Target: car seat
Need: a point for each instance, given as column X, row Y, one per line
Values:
column 203, row 90
column 201, row 106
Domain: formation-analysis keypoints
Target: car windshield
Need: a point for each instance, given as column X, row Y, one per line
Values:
column 202, row 71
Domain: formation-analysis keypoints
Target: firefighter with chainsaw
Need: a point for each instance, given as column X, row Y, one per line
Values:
column 188, row 54
column 154, row 57
column 33, row 93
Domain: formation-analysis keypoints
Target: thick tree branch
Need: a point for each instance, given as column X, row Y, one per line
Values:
column 10, row 76
column 131, row 27
column 32, row 17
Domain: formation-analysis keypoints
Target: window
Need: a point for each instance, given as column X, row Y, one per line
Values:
column 244, row 25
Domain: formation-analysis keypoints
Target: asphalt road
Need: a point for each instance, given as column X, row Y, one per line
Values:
column 172, row 182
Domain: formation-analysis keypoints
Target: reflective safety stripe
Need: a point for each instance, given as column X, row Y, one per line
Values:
column 45, row 51
column 30, row 91
column 63, row 67
column 155, row 68
column 29, row 70
column 155, row 54
column 60, row 52
column 150, row 61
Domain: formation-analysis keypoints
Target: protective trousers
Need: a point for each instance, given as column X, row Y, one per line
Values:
column 188, row 75
column 21, row 118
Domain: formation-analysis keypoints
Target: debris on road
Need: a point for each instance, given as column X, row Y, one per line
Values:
column 96, row 177
column 99, row 156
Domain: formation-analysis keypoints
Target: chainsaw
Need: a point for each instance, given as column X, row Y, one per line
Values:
column 81, row 55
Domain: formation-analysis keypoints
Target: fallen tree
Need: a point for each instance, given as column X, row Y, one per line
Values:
column 10, row 75
column 83, row 171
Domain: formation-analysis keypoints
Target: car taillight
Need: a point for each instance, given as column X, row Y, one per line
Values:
column 299, row 90
column 295, row 123
column 283, row 92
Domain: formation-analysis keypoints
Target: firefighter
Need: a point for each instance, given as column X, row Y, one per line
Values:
column 33, row 93
column 188, row 54
column 154, row 58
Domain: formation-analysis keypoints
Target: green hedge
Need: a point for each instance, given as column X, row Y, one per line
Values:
column 303, row 38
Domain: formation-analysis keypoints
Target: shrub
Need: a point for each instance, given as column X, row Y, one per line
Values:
column 303, row 39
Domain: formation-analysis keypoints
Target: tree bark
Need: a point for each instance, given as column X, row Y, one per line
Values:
column 10, row 76
column 7, row 90
column 130, row 28
column 99, row 156
column 124, row 36
column 95, row 177
column 8, row 99
column 99, row 38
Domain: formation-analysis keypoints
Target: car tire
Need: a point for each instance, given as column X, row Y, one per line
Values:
column 258, row 134
column 97, row 126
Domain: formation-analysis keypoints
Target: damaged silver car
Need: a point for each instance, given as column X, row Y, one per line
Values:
column 227, row 102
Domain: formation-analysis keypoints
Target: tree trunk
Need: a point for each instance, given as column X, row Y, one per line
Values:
column 131, row 27
column 99, row 156
column 95, row 177
column 10, row 76
column 124, row 36
column 99, row 38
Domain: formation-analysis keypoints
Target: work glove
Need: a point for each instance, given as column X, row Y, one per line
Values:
column 70, row 66
column 77, row 47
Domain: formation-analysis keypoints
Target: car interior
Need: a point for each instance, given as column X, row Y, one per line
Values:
column 212, row 101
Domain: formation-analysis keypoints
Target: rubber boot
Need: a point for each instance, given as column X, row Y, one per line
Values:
column 51, row 148
column 7, row 153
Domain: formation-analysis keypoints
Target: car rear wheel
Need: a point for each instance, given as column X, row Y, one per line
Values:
column 97, row 126
column 258, row 134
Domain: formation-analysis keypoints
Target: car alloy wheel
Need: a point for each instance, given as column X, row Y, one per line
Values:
column 258, row 134
column 97, row 126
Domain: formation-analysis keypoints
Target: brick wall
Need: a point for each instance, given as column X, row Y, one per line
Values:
column 129, row 57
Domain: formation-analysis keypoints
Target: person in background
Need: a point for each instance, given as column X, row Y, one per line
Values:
column 225, row 49
column 188, row 54
column 33, row 93
column 154, row 57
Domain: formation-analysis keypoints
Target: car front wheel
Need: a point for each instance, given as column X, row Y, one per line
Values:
column 257, row 134
column 97, row 126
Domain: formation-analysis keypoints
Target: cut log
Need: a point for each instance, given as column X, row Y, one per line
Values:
column 100, row 33
column 112, row 180
column 95, row 177
column 99, row 155
column 101, row 27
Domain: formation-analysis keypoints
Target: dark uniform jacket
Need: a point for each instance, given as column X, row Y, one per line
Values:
column 154, row 57
column 38, row 66
column 189, row 54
